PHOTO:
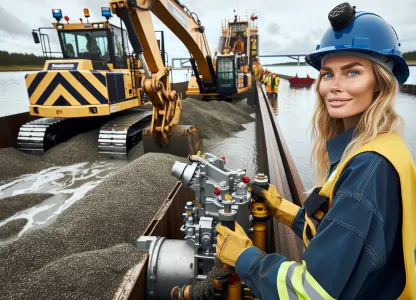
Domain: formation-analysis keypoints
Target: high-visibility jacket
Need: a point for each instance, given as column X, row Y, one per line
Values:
column 390, row 156
column 275, row 84
column 393, row 148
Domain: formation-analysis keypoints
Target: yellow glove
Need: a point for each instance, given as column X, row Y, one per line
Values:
column 230, row 244
column 283, row 210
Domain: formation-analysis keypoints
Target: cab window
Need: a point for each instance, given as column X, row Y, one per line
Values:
column 120, row 61
column 86, row 44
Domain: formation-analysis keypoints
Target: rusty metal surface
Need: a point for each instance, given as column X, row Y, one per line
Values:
column 286, row 242
column 292, row 174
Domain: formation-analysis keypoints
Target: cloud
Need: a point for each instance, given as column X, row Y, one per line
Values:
column 273, row 28
column 12, row 25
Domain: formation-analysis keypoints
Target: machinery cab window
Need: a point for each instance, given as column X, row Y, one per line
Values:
column 121, row 47
column 101, row 46
column 238, row 39
column 226, row 74
column 85, row 44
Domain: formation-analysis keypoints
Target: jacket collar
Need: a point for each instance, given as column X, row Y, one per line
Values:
column 337, row 145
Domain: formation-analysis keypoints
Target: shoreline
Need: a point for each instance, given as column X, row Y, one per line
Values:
column 20, row 68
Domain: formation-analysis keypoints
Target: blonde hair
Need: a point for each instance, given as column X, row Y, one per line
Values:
column 379, row 117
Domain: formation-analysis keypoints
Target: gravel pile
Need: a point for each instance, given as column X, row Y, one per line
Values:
column 212, row 122
column 242, row 104
column 11, row 205
column 14, row 163
column 81, row 148
column 136, row 152
column 12, row 228
column 115, row 212
column 88, row 275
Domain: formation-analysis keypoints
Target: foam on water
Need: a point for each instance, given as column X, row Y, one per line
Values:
column 67, row 184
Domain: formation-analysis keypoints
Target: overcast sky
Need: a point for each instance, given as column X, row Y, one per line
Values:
column 293, row 26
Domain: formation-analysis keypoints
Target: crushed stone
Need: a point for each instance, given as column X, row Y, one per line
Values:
column 11, row 205
column 211, row 123
column 12, row 228
column 14, row 163
column 117, row 211
column 88, row 275
column 81, row 148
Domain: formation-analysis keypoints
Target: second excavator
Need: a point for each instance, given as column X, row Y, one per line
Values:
column 98, row 84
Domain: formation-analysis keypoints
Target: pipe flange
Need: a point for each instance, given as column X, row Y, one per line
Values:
column 224, row 216
column 261, row 219
column 152, row 263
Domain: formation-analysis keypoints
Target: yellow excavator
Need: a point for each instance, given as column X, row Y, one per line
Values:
column 98, row 84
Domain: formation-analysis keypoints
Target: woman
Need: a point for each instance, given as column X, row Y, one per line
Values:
column 359, row 228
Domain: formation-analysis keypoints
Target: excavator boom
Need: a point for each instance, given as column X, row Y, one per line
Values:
column 136, row 16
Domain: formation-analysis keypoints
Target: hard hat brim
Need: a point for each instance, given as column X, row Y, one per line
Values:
column 400, row 69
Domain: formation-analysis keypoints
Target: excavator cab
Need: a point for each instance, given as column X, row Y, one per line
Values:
column 105, row 44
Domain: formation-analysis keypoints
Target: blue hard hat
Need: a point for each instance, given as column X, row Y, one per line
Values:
column 363, row 32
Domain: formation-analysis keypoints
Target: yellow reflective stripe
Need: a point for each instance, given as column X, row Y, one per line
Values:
column 295, row 282
column 315, row 285
column 281, row 280
column 298, row 282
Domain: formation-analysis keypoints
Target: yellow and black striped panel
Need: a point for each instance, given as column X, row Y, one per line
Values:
column 67, row 88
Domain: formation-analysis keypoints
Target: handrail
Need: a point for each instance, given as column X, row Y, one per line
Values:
column 272, row 162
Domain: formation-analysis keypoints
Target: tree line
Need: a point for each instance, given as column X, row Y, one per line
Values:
column 20, row 59
column 410, row 55
column 26, row 59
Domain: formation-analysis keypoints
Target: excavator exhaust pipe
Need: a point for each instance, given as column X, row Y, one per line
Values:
column 183, row 141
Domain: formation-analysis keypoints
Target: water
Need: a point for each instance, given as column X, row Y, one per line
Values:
column 67, row 185
column 293, row 111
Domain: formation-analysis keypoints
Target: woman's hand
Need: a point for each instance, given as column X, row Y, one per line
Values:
column 271, row 197
column 230, row 244
column 283, row 210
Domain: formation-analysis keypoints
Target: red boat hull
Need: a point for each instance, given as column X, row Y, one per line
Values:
column 301, row 81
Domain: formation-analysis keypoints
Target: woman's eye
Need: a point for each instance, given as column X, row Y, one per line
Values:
column 327, row 75
column 353, row 73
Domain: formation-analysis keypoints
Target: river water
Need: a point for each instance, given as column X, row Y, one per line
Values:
column 293, row 110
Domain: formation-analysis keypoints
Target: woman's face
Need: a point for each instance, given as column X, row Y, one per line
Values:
column 347, row 85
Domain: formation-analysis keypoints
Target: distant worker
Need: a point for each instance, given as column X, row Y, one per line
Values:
column 256, row 71
column 358, row 224
column 275, row 81
column 268, row 82
column 253, row 46
column 233, row 38
column 238, row 46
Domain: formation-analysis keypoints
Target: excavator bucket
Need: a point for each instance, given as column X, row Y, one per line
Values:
column 184, row 140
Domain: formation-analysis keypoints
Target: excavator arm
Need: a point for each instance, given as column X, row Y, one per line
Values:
column 136, row 15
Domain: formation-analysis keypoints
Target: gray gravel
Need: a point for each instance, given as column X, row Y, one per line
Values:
column 213, row 121
column 14, row 163
column 136, row 151
column 115, row 212
column 81, row 148
column 242, row 104
column 88, row 275
column 12, row 228
column 11, row 205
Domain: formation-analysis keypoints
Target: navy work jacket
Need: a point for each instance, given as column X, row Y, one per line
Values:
column 357, row 252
